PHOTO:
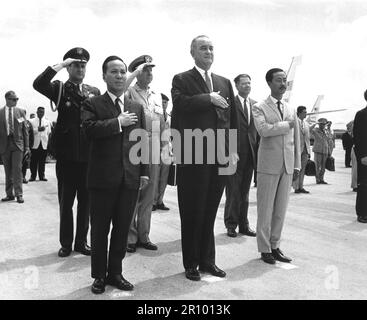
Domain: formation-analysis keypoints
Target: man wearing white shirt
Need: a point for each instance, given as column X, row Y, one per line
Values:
column 41, row 130
column 238, row 184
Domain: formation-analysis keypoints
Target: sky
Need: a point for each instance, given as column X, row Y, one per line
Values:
column 249, row 36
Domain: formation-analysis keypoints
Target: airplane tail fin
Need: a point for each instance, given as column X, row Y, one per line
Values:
column 296, row 61
column 315, row 110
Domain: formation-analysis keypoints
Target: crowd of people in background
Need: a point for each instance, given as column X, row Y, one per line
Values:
column 90, row 142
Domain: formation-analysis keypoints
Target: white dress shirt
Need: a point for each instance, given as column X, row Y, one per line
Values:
column 7, row 117
column 248, row 106
column 276, row 103
column 202, row 72
column 121, row 104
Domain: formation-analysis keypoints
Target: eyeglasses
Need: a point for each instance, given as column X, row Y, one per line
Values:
column 13, row 99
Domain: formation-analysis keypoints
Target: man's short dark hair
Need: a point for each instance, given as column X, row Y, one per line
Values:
column 108, row 59
column 242, row 75
column 40, row 108
column 270, row 73
column 365, row 95
column 9, row 94
column 300, row 109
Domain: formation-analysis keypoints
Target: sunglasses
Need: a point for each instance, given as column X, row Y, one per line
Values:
column 13, row 99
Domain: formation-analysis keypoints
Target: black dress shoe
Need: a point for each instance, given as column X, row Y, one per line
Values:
column 278, row 255
column 192, row 274
column 231, row 233
column 302, row 190
column 32, row 179
column 161, row 206
column 213, row 270
column 25, row 181
column 64, row 252
column 297, row 191
column 247, row 232
column 355, row 189
column 83, row 249
column 98, row 286
column 323, row 182
column 154, row 208
column 131, row 248
column 8, row 198
column 148, row 245
column 362, row 219
column 20, row 199
column 119, row 282
column 43, row 179
column 267, row 257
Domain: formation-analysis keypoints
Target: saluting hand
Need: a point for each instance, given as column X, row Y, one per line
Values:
column 218, row 100
column 127, row 119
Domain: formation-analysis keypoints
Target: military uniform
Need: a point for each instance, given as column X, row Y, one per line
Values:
column 70, row 147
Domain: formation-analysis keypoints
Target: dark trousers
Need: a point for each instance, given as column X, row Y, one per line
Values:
column 361, row 201
column 348, row 157
column 199, row 189
column 71, row 182
column 12, row 160
column 38, row 161
column 237, row 194
column 116, row 205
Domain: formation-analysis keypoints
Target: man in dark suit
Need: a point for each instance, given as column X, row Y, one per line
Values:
column 238, row 184
column 14, row 145
column 347, row 141
column 360, row 148
column 71, row 146
column 113, row 179
column 202, row 101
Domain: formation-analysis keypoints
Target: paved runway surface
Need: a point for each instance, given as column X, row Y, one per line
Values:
column 321, row 234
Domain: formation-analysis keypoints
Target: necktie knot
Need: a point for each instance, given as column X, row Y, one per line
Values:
column 208, row 82
column 117, row 105
column 279, row 108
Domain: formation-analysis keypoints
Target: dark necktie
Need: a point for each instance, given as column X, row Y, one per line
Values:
column 10, row 122
column 117, row 105
column 208, row 82
column 77, row 86
column 280, row 110
column 245, row 109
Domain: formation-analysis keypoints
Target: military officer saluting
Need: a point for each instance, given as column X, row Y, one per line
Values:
column 70, row 145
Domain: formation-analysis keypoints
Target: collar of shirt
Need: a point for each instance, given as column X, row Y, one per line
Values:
column 242, row 101
column 80, row 85
column 113, row 98
column 276, row 100
column 202, row 72
column 147, row 91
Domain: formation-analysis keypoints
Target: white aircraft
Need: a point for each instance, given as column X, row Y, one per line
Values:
column 313, row 115
column 296, row 61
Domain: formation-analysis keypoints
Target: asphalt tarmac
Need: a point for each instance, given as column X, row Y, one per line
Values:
column 321, row 235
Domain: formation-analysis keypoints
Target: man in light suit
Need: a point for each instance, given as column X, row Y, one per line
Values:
column 113, row 178
column 41, row 131
column 238, row 184
column 305, row 149
column 279, row 159
column 202, row 101
column 14, row 145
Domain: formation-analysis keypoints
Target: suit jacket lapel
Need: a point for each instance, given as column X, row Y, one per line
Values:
column 240, row 107
column 3, row 122
column 273, row 106
column 199, row 79
column 110, row 106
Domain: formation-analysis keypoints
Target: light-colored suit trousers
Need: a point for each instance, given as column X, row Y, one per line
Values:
column 272, row 202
